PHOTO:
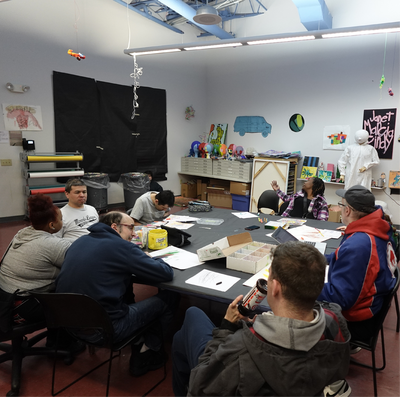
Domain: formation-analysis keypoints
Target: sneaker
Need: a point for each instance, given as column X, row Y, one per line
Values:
column 343, row 391
column 353, row 349
column 142, row 363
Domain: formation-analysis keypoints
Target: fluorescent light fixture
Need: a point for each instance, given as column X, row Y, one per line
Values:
column 160, row 51
column 281, row 40
column 360, row 33
column 208, row 47
column 392, row 27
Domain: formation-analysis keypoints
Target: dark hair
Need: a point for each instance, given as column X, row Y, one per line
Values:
column 318, row 187
column 42, row 211
column 300, row 268
column 150, row 173
column 111, row 217
column 166, row 197
column 73, row 182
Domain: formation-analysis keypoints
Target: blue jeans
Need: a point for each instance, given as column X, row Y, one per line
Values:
column 161, row 306
column 188, row 345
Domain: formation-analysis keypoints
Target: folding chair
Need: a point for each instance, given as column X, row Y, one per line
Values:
column 370, row 341
column 80, row 314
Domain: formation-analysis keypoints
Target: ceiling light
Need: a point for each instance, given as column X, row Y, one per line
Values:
column 207, row 15
column 151, row 52
column 359, row 33
column 281, row 40
column 208, row 47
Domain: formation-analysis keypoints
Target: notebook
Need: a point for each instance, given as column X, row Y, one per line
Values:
column 282, row 236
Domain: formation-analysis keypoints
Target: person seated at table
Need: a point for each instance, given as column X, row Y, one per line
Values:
column 154, row 186
column 77, row 216
column 362, row 267
column 296, row 349
column 309, row 202
column 33, row 259
column 152, row 206
column 100, row 265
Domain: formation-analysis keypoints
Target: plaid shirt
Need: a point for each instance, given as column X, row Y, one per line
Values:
column 318, row 205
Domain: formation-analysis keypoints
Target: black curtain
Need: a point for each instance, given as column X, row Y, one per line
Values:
column 102, row 128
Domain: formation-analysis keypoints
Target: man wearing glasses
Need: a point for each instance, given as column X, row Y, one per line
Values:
column 101, row 264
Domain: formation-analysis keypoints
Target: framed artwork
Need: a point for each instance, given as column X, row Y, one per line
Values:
column 394, row 179
column 308, row 172
column 326, row 176
column 217, row 135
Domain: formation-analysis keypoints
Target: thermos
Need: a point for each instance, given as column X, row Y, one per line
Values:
column 254, row 297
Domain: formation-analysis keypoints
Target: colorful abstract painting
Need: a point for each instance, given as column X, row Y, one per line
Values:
column 326, row 176
column 394, row 179
column 308, row 172
column 22, row 117
column 217, row 134
column 335, row 137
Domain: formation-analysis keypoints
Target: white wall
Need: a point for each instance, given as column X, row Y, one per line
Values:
column 329, row 82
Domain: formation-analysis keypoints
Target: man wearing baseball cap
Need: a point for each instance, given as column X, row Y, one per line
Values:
column 361, row 269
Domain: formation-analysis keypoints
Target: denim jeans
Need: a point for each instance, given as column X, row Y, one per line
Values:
column 188, row 345
column 161, row 306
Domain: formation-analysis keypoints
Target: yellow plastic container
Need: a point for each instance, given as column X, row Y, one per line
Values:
column 158, row 239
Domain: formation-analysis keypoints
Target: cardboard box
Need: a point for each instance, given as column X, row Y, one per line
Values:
column 201, row 190
column 219, row 183
column 239, row 188
column 334, row 213
column 219, row 199
column 189, row 190
column 240, row 251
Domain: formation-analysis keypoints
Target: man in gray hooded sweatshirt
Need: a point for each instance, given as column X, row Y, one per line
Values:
column 296, row 349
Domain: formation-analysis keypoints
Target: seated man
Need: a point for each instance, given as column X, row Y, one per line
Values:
column 154, row 186
column 361, row 269
column 101, row 265
column 77, row 216
column 152, row 206
column 296, row 349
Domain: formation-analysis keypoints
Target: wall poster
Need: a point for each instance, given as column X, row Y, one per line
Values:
column 380, row 123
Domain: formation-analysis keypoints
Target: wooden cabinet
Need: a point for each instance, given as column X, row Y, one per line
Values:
column 265, row 170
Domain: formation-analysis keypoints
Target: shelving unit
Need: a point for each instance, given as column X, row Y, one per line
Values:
column 342, row 184
column 37, row 175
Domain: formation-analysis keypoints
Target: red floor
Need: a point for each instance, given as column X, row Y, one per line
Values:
column 37, row 371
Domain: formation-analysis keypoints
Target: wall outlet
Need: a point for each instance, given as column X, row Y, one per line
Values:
column 6, row 162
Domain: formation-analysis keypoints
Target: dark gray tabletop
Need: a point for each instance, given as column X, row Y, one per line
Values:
column 202, row 235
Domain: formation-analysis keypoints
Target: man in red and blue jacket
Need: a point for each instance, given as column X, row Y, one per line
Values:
column 361, row 269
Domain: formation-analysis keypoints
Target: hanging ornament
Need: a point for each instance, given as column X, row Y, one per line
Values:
column 189, row 112
column 137, row 72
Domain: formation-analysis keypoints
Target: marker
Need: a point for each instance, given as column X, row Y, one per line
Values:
column 203, row 227
column 219, row 282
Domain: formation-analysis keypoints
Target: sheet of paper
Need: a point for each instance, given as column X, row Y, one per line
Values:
column 244, row 215
column 177, row 257
column 181, row 218
column 273, row 224
column 179, row 225
column 263, row 273
column 292, row 222
column 4, row 137
column 331, row 233
column 213, row 280
column 307, row 233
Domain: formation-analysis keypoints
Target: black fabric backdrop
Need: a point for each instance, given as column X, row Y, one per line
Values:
column 95, row 119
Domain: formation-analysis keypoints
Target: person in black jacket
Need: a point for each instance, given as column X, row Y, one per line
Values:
column 154, row 186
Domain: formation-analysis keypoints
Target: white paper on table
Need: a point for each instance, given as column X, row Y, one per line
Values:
column 177, row 257
column 181, row 218
column 213, row 280
column 263, row 273
column 307, row 233
column 274, row 224
column 244, row 215
column 179, row 225
column 331, row 233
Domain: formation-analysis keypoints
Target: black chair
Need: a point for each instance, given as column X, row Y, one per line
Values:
column 268, row 199
column 21, row 347
column 371, row 338
column 81, row 314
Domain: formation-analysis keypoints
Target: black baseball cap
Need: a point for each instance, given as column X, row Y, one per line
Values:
column 358, row 197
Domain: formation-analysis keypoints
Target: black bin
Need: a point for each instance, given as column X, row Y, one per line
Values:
column 135, row 184
column 97, row 185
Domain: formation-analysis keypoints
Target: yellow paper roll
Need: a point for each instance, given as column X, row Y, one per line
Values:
column 55, row 158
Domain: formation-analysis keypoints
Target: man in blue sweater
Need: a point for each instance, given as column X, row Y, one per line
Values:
column 101, row 265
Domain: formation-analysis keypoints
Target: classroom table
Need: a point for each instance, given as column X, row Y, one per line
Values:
column 202, row 235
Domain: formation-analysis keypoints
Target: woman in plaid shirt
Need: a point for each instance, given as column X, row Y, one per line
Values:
column 309, row 202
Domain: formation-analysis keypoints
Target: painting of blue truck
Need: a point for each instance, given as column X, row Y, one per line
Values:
column 252, row 124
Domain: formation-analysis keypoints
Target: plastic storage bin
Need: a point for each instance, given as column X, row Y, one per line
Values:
column 240, row 203
column 97, row 185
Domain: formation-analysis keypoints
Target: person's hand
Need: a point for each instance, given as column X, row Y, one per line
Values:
column 232, row 313
column 341, row 178
column 341, row 228
column 274, row 185
column 362, row 169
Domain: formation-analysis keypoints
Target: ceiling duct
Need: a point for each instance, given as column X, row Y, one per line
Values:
column 314, row 14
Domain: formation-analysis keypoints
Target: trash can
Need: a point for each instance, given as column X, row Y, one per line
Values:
column 135, row 184
column 97, row 185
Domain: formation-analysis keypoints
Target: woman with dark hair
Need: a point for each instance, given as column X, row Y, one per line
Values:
column 309, row 202
column 34, row 257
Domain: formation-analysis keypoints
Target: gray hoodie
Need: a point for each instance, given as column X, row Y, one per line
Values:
column 33, row 260
column 295, row 359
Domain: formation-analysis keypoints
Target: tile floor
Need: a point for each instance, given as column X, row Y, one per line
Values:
column 37, row 371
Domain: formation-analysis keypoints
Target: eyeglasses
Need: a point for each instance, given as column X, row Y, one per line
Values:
column 340, row 204
column 129, row 226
